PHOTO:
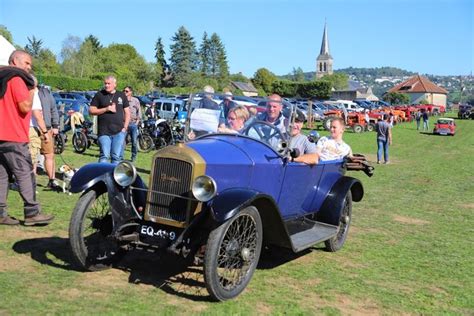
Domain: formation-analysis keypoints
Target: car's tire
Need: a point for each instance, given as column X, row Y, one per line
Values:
column 232, row 254
column 327, row 123
column 370, row 127
column 357, row 128
column 90, row 228
column 79, row 142
column 145, row 143
column 336, row 243
column 59, row 143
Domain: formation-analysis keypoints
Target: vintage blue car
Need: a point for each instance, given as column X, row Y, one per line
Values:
column 217, row 198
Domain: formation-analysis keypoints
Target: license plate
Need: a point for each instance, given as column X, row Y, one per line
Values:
column 157, row 232
column 443, row 133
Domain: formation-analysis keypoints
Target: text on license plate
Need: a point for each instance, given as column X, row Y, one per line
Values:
column 151, row 231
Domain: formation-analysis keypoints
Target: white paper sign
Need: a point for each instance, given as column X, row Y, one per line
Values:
column 205, row 120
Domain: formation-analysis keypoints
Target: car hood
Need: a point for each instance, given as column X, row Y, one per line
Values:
column 238, row 161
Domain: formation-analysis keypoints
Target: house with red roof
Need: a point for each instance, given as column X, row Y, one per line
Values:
column 419, row 88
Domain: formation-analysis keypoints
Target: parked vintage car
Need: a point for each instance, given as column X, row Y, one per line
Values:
column 215, row 199
column 465, row 111
column 445, row 126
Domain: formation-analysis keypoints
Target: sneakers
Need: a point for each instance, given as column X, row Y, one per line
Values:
column 7, row 220
column 38, row 219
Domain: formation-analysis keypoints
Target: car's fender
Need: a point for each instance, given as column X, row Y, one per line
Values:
column 229, row 202
column 330, row 211
column 89, row 175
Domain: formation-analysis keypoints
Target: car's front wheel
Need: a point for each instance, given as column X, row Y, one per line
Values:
column 232, row 253
column 336, row 243
column 90, row 230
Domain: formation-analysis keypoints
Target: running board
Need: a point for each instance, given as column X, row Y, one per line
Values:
column 315, row 233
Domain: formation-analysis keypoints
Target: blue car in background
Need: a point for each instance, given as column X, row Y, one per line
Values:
column 216, row 199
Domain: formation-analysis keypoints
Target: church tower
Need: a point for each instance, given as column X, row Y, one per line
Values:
column 324, row 61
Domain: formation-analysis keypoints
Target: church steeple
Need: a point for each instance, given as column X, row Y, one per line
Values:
column 324, row 61
column 325, row 43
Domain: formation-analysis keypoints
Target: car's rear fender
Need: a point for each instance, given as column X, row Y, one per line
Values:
column 229, row 202
column 330, row 211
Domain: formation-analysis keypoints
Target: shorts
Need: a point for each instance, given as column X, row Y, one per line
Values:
column 48, row 148
column 35, row 144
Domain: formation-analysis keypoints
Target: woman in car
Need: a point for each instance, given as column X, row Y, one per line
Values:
column 236, row 119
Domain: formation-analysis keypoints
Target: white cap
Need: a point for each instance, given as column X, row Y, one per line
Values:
column 228, row 94
column 208, row 89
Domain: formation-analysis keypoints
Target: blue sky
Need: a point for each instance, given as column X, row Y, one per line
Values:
column 433, row 37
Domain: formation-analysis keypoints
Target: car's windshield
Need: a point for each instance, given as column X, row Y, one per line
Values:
column 208, row 115
column 444, row 122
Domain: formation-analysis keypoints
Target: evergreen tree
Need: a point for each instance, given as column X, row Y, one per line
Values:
column 95, row 43
column 219, row 66
column 204, row 55
column 183, row 57
column 160, row 66
column 34, row 46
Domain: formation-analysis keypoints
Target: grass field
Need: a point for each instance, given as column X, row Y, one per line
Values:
column 409, row 250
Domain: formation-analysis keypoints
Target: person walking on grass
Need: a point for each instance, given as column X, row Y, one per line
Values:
column 384, row 139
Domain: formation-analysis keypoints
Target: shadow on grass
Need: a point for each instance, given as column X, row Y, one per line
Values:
column 173, row 275
column 41, row 249
column 169, row 273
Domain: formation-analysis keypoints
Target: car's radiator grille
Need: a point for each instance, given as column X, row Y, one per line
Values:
column 173, row 177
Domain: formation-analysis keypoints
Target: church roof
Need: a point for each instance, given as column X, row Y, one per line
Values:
column 418, row 84
column 325, row 44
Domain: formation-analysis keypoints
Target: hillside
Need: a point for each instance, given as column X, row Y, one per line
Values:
column 383, row 78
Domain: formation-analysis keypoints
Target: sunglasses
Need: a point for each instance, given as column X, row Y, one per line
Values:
column 126, row 91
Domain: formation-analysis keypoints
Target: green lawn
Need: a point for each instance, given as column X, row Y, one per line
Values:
column 409, row 250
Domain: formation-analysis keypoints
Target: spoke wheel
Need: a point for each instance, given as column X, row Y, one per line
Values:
column 79, row 142
column 232, row 253
column 145, row 143
column 90, row 231
column 336, row 243
column 59, row 143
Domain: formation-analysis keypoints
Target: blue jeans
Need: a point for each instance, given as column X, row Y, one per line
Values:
column 382, row 145
column 111, row 146
column 425, row 125
column 133, row 130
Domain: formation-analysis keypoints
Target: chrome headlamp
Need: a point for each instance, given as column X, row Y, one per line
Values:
column 125, row 173
column 204, row 188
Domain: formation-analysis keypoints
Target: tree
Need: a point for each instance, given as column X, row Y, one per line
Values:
column 94, row 42
column 338, row 81
column 218, row 61
column 183, row 59
column 69, row 55
column 298, row 74
column 263, row 78
column 46, row 64
column 396, row 98
column 204, row 55
column 34, row 46
column 6, row 33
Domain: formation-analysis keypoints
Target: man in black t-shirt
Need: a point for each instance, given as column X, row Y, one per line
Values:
column 111, row 107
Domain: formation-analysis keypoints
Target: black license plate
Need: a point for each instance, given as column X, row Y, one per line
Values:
column 158, row 234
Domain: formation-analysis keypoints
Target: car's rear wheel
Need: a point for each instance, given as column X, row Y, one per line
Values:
column 90, row 230
column 327, row 123
column 336, row 243
column 357, row 128
column 232, row 253
column 370, row 127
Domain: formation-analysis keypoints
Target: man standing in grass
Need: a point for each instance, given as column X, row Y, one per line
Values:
column 384, row 139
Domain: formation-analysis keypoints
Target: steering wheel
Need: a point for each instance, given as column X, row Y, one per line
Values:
column 265, row 131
